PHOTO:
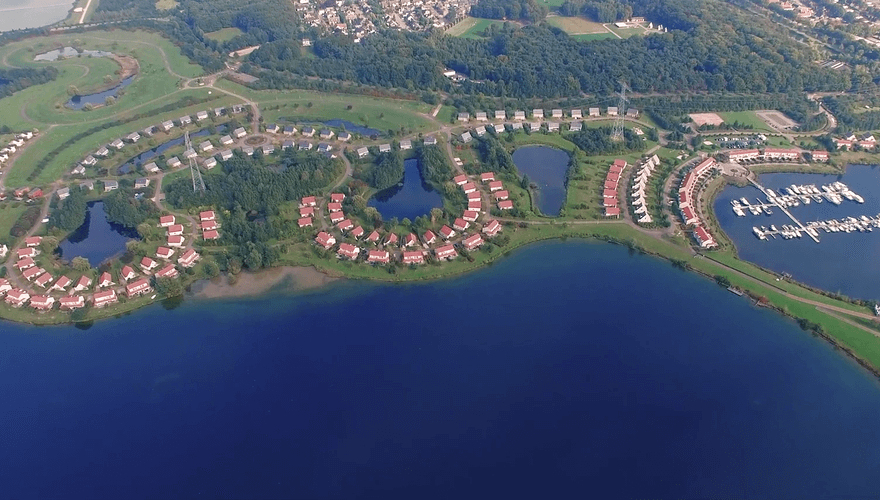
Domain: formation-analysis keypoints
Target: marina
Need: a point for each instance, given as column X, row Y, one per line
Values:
column 844, row 263
column 797, row 195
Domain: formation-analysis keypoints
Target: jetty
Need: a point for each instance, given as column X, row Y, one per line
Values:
column 798, row 224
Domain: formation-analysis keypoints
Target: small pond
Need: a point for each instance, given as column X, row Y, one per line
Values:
column 97, row 239
column 546, row 167
column 409, row 199
column 68, row 52
column 148, row 155
column 78, row 101
column 351, row 127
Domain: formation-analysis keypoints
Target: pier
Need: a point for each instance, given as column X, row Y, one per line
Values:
column 812, row 233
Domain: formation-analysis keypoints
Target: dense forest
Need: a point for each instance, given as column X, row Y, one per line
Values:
column 524, row 10
column 122, row 208
column 596, row 141
column 71, row 212
column 15, row 79
column 258, row 185
column 387, row 170
column 714, row 47
column 434, row 166
column 601, row 11
column 841, row 107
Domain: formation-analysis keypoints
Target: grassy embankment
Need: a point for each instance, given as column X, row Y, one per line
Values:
column 379, row 113
column 42, row 107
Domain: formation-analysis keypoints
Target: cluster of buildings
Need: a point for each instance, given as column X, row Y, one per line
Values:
column 688, row 196
column 22, row 194
column 541, row 114
column 865, row 142
column 325, row 134
column 360, row 19
column 501, row 121
column 610, row 193
column 166, row 126
column 765, row 155
column 347, row 18
column 640, row 181
column 14, row 145
column 413, row 249
column 46, row 290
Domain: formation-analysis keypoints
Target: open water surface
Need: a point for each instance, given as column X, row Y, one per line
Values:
column 97, row 239
column 546, row 167
column 567, row 370
column 411, row 198
column 20, row 14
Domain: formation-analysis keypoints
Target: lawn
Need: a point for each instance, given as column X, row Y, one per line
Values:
column 748, row 118
column 224, row 34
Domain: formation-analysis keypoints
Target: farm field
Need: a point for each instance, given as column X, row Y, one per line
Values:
column 224, row 34
column 166, row 4
column 576, row 25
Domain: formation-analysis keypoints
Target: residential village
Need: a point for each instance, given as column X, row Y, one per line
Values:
column 360, row 19
column 344, row 237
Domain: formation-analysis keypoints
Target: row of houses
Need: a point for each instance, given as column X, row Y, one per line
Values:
column 166, row 126
column 538, row 114
column 420, row 250
column 610, row 192
column 307, row 131
column 14, row 145
column 767, row 154
column 688, row 195
column 866, row 141
column 640, row 182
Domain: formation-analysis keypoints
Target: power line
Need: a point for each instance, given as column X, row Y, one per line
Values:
column 198, row 182
column 617, row 133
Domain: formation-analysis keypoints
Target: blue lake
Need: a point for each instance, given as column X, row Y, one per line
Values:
column 78, row 101
column 546, row 167
column 409, row 199
column 97, row 239
column 844, row 262
column 361, row 390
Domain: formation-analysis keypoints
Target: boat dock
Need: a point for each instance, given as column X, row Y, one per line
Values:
column 861, row 224
column 782, row 206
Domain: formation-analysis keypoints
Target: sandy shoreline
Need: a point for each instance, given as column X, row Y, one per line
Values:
column 288, row 279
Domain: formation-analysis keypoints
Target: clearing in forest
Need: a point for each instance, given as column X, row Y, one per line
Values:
column 576, row 25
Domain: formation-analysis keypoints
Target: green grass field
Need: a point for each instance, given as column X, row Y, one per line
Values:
column 588, row 37
column 9, row 213
column 745, row 118
column 471, row 27
column 626, row 32
column 378, row 113
column 224, row 34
